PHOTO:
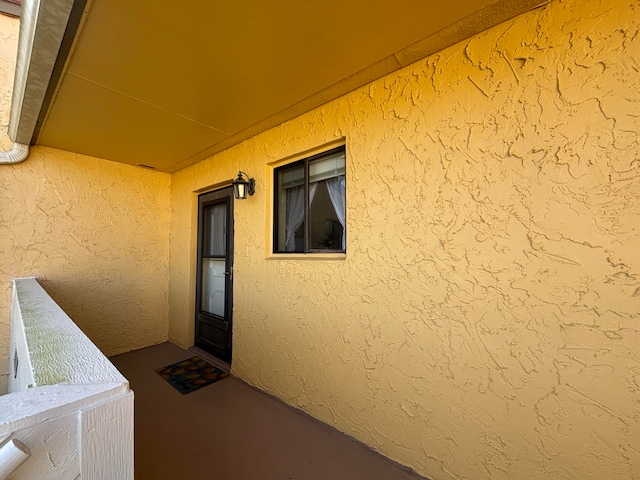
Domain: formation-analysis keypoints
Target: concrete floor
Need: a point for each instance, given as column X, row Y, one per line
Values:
column 230, row 431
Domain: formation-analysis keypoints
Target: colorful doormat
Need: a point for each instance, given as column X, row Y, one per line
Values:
column 191, row 374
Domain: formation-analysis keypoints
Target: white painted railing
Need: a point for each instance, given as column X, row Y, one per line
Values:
column 67, row 404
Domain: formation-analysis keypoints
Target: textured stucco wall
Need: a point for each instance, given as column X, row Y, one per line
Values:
column 9, row 27
column 485, row 323
column 95, row 233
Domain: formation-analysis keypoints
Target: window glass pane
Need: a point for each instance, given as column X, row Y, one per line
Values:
column 326, row 167
column 215, row 225
column 292, row 177
column 290, row 222
column 326, row 214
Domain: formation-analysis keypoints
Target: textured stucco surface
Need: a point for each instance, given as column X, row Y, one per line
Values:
column 485, row 321
column 54, row 348
column 94, row 233
column 9, row 27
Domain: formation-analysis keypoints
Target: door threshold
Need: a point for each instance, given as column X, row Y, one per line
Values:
column 215, row 361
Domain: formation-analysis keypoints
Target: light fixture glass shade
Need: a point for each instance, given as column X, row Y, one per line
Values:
column 240, row 190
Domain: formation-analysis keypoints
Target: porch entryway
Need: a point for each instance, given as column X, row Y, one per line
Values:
column 230, row 431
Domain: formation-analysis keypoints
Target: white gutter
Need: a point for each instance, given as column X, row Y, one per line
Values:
column 43, row 24
column 19, row 154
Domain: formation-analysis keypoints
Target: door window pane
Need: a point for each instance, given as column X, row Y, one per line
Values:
column 215, row 230
column 213, row 286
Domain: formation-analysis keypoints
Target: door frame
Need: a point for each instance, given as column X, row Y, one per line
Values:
column 219, row 195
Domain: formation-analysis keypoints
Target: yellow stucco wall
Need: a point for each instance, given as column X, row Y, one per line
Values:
column 8, row 47
column 485, row 323
column 95, row 233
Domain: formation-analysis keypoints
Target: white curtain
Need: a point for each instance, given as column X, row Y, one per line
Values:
column 336, row 189
column 295, row 213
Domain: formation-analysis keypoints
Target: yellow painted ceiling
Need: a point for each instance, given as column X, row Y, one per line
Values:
column 167, row 84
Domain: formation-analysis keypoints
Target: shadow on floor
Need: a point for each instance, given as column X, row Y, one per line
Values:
column 230, row 431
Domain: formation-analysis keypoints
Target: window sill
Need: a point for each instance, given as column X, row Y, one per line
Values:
column 306, row 256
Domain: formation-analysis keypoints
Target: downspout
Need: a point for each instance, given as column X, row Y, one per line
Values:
column 19, row 154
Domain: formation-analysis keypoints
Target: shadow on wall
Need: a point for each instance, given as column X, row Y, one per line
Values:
column 100, row 314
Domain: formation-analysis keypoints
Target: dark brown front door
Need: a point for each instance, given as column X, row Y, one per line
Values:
column 214, row 286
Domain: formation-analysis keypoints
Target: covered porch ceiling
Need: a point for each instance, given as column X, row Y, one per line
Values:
column 165, row 85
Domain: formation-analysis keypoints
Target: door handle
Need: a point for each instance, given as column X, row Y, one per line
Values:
column 229, row 273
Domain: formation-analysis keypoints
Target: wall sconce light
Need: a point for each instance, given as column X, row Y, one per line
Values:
column 241, row 186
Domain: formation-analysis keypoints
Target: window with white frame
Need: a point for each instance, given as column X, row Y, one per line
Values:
column 310, row 205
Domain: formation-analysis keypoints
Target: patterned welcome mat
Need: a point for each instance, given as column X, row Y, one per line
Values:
column 191, row 374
